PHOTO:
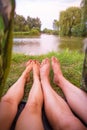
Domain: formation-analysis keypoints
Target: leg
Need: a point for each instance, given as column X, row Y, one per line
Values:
column 31, row 117
column 58, row 113
column 76, row 98
column 9, row 102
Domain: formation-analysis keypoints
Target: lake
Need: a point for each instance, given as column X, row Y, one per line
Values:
column 46, row 43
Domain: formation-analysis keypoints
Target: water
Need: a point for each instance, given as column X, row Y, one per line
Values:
column 46, row 43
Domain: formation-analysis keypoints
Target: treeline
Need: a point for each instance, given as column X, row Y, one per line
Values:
column 26, row 26
column 72, row 21
column 50, row 31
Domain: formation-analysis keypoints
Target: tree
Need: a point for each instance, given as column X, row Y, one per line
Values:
column 77, row 30
column 29, row 22
column 37, row 23
column 56, row 25
column 19, row 23
column 84, row 16
column 34, row 23
column 68, row 19
column 63, row 23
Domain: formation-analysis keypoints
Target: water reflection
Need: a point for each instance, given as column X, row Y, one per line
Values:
column 46, row 43
column 72, row 43
column 36, row 46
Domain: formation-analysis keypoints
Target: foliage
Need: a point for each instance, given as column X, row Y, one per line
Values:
column 6, row 28
column 34, row 32
column 50, row 32
column 84, row 16
column 24, row 25
column 73, row 21
column 47, row 31
column 33, row 23
column 68, row 19
column 78, row 30
column 19, row 23
column 55, row 32
column 56, row 25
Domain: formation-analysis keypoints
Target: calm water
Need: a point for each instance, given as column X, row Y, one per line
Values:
column 46, row 43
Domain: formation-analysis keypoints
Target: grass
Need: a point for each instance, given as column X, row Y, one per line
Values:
column 29, row 34
column 71, row 65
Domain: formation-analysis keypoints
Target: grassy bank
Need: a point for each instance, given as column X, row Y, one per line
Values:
column 71, row 65
column 32, row 33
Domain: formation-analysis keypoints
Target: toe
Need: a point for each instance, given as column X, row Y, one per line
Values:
column 28, row 62
column 38, row 63
column 54, row 59
column 45, row 61
column 42, row 63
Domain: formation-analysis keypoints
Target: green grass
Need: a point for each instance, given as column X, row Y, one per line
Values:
column 32, row 33
column 71, row 65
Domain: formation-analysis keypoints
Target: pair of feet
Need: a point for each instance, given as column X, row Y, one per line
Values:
column 43, row 70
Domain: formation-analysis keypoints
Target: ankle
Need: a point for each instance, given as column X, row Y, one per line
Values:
column 24, row 75
column 45, row 80
column 59, row 79
column 36, row 79
column 23, row 78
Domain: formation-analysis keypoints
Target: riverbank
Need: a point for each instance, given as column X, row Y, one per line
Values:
column 32, row 33
column 71, row 65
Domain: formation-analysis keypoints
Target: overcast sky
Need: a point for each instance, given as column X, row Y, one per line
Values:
column 46, row 10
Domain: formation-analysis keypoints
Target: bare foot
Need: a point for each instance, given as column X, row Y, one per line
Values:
column 56, row 69
column 36, row 69
column 36, row 95
column 45, row 69
column 26, row 72
column 28, row 62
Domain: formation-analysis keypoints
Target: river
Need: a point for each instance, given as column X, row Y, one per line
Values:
column 46, row 43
